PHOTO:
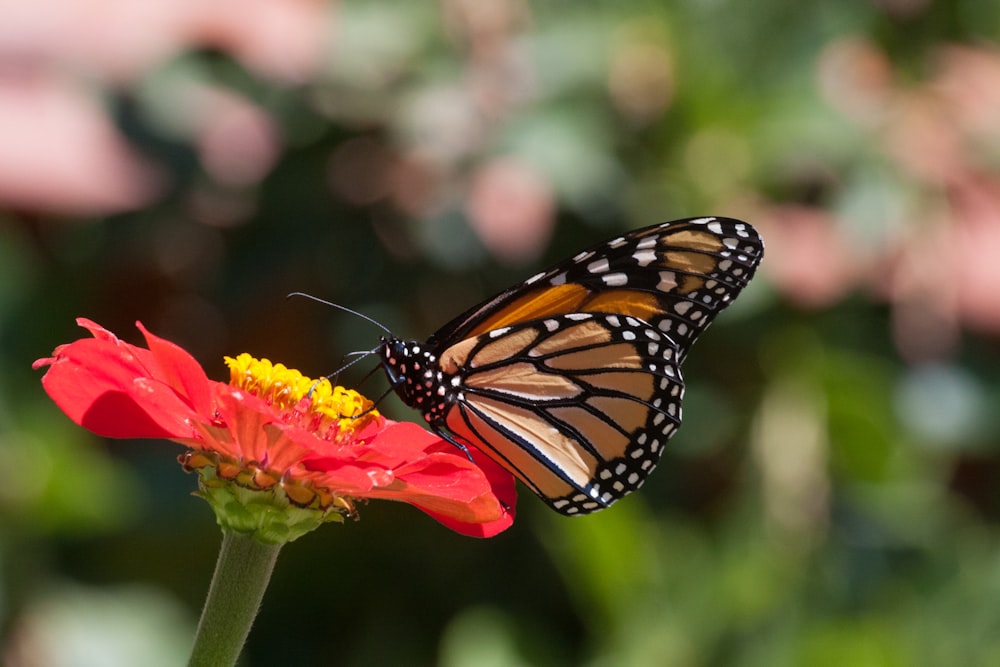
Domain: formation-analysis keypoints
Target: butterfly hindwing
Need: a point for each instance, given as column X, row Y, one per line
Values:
column 578, row 406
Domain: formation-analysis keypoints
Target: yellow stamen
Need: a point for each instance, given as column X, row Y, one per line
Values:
column 284, row 389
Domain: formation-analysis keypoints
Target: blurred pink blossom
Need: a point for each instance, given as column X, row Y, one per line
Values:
column 238, row 142
column 977, row 250
column 855, row 78
column 939, row 270
column 511, row 207
column 941, row 133
column 921, row 137
column 949, row 264
column 485, row 27
column 417, row 183
column 924, row 315
column 809, row 258
column 943, row 270
column 61, row 154
column 121, row 40
column 968, row 81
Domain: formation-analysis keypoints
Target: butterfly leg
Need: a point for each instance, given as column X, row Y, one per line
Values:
column 451, row 439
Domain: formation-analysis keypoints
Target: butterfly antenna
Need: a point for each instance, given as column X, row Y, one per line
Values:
column 343, row 308
column 332, row 377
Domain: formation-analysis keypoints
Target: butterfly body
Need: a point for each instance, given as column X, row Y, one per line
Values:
column 572, row 379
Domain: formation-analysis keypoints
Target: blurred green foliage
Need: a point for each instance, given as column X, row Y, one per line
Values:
column 832, row 498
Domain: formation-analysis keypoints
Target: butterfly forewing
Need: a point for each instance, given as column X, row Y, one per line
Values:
column 677, row 276
column 572, row 379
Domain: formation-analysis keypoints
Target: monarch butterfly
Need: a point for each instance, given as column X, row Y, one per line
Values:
column 572, row 379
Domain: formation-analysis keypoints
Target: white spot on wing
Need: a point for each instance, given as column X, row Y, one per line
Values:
column 644, row 257
column 615, row 279
column 535, row 278
column 668, row 281
column 599, row 266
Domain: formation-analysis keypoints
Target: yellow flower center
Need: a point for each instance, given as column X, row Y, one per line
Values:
column 345, row 411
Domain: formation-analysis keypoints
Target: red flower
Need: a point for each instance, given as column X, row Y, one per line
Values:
column 272, row 436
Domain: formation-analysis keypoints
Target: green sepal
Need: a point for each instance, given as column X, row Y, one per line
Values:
column 266, row 514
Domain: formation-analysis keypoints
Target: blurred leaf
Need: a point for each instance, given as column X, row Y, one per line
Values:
column 73, row 626
column 56, row 479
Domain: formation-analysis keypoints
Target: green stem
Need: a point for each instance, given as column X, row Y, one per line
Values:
column 238, row 585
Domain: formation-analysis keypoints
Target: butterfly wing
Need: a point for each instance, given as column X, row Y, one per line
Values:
column 572, row 378
column 676, row 276
column 577, row 406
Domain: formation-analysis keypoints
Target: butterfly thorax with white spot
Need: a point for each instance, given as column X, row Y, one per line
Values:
column 415, row 376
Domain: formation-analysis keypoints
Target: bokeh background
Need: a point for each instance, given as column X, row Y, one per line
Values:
column 833, row 496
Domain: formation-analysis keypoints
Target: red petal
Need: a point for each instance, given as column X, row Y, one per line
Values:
column 108, row 387
column 474, row 498
column 487, row 529
column 350, row 477
column 500, row 479
column 400, row 443
column 481, row 516
column 460, row 497
column 181, row 371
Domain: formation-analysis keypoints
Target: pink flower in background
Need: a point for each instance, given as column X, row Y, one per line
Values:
column 120, row 41
column 511, row 207
column 60, row 152
column 809, row 259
